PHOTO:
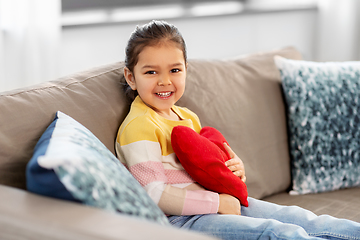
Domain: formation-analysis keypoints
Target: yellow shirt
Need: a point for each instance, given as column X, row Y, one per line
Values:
column 144, row 145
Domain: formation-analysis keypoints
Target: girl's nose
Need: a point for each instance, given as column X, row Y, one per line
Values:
column 164, row 80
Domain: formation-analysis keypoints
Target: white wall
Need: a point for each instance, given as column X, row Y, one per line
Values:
column 216, row 37
column 338, row 34
column 331, row 33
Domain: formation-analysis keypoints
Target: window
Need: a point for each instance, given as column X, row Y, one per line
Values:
column 81, row 12
column 76, row 5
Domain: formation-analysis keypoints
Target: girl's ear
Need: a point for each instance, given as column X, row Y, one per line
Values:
column 129, row 77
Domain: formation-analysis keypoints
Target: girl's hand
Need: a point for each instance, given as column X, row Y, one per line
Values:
column 229, row 204
column 235, row 164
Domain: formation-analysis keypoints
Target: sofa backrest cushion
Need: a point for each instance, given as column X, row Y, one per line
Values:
column 94, row 98
column 242, row 98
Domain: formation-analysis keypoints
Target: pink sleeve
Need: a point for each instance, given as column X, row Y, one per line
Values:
column 200, row 202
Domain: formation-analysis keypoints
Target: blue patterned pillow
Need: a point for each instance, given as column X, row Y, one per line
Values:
column 70, row 163
column 323, row 104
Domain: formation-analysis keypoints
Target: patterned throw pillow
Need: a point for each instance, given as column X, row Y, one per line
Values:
column 70, row 163
column 323, row 104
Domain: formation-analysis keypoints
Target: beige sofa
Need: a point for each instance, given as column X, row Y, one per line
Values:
column 241, row 97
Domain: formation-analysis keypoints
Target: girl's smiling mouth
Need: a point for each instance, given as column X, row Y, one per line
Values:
column 164, row 94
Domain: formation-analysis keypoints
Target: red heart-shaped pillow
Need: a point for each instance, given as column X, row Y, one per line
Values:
column 203, row 156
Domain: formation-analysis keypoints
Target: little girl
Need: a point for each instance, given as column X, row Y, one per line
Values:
column 155, row 73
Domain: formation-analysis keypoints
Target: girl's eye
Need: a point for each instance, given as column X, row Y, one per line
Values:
column 175, row 70
column 150, row 72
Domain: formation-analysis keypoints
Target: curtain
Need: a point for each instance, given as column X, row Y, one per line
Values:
column 30, row 32
column 2, row 63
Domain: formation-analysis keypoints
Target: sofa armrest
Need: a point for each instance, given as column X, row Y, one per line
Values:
column 24, row 215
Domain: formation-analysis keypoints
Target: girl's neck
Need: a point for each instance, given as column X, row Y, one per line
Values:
column 170, row 116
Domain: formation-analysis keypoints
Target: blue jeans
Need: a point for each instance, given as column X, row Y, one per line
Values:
column 264, row 220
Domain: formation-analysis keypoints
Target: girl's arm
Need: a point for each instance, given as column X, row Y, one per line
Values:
column 229, row 205
column 143, row 159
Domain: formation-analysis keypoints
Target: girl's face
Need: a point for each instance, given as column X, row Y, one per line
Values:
column 159, row 77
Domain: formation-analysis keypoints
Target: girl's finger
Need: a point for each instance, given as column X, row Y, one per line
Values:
column 234, row 168
column 238, row 173
column 243, row 178
column 231, row 162
column 229, row 150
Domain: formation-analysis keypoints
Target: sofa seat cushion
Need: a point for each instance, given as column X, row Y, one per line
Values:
column 70, row 163
column 24, row 215
column 342, row 203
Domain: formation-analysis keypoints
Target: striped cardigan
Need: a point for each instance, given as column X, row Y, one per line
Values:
column 143, row 145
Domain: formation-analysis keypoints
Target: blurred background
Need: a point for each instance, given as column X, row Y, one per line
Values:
column 41, row 40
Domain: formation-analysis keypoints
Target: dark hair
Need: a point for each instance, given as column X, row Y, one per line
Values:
column 149, row 34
